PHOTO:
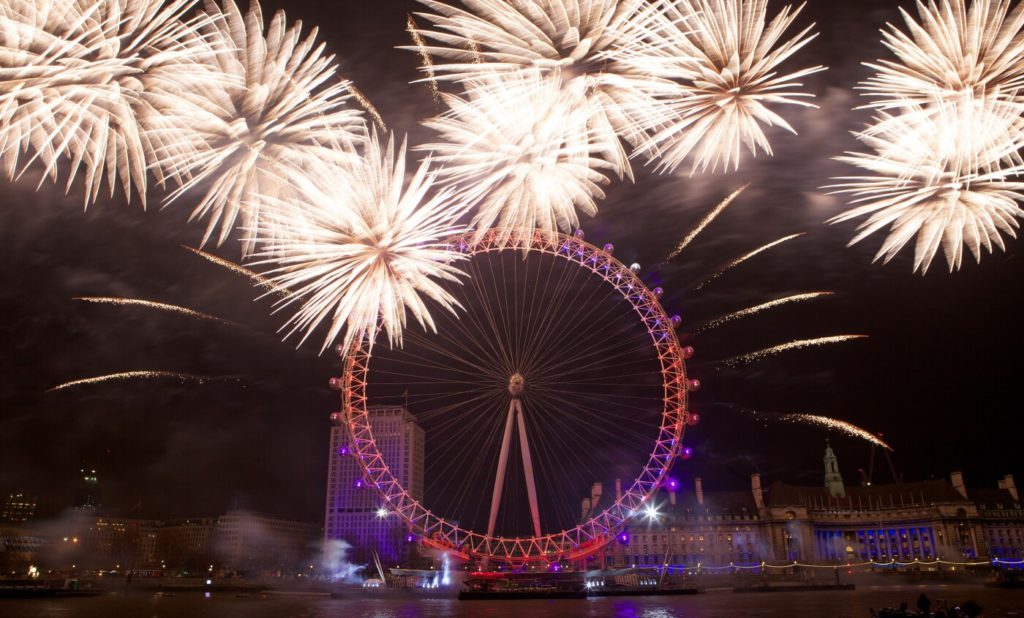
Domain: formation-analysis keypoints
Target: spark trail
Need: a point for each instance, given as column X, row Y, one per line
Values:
column 258, row 279
column 749, row 311
column 743, row 258
column 139, row 375
column 816, row 420
column 706, row 221
column 428, row 64
column 360, row 98
column 138, row 302
column 798, row 344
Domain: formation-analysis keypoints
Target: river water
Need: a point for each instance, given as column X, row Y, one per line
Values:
column 854, row 604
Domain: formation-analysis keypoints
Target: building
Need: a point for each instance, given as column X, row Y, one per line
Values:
column 353, row 511
column 833, row 523
column 187, row 544
column 250, row 542
column 87, row 496
column 18, row 508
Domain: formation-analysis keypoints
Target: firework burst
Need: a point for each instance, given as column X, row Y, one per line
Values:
column 578, row 41
column 718, row 69
column 952, row 53
column 259, row 134
column 81, row 81
column 520, row 149
column 369, row 250
column 941, row 174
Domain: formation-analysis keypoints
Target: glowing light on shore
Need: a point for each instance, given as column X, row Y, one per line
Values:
column 706, row 221
column 139, row 375
column 749, row 311
column 798, row 344
column 743, row 258
column 137, row 302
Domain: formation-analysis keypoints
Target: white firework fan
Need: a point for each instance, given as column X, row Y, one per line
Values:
column 718, row 66
column 79, row 80
column 577, row 40
column 520, row 148
column 952, row 53
column 940, row 173
column 370, row 249
column 255, row 136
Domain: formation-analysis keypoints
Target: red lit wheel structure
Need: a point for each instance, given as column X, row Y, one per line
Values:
column 518, row 383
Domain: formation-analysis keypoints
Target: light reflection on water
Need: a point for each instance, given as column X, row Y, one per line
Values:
column 996, row 603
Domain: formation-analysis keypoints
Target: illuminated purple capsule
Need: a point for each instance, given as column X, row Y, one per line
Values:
column 579, row 234
column 692, row 419
column 609, row 248
column 334, row 383
column 635, row 267
column 673, row 484
column 693, row 385
column 686, row 453
column 676, row 321
column 688, row 352
column 658, row 292
column 339, row 349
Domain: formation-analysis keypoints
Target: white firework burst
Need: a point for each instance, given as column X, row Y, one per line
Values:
column 951, row 53
column 940, row 173
column 718, row 64
column 80, row 78
column 519, row 147
column 576, row 40
column 370, row 249
column 256, row 136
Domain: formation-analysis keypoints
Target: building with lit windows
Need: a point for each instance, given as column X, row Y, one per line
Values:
column 251, row 542
column 832, row 523
column 18, row 507
column 354, row 512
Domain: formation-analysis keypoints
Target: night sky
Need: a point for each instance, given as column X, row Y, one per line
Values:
column 939, row 375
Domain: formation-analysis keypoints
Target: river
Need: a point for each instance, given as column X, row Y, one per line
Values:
column 854, row 604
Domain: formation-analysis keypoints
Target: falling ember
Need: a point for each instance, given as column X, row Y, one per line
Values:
column 259, row 279
column 799, row 344
column 778, row 302
column 833, row 423
column 137, row 302
column 139, row 375
column 428, row 65
column 358, row 95
column 743, row 258
column 706, row 221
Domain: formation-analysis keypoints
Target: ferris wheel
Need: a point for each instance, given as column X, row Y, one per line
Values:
column 559, row 347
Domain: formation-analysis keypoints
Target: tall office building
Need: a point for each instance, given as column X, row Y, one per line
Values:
column 18, row 508
column 353, row 510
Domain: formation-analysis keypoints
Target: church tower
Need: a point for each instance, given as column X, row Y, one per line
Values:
column 833, row 480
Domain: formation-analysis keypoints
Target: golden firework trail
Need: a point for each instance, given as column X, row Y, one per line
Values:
column 428, row 65
column 743, row 258
column 833, row 423
column 138, row 302
column 358, row 95
column 798, row 344
column 749, row 311
column 138, row 375
column 706, row 221
column 259, row 279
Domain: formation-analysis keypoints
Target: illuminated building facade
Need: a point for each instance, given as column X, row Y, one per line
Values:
column 251, row 543
column 18, row 507
column 354, row 511
column 832, row 523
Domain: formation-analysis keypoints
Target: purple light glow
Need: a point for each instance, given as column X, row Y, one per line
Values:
column 687, row 452
column 673, row 484
column 359, row 483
